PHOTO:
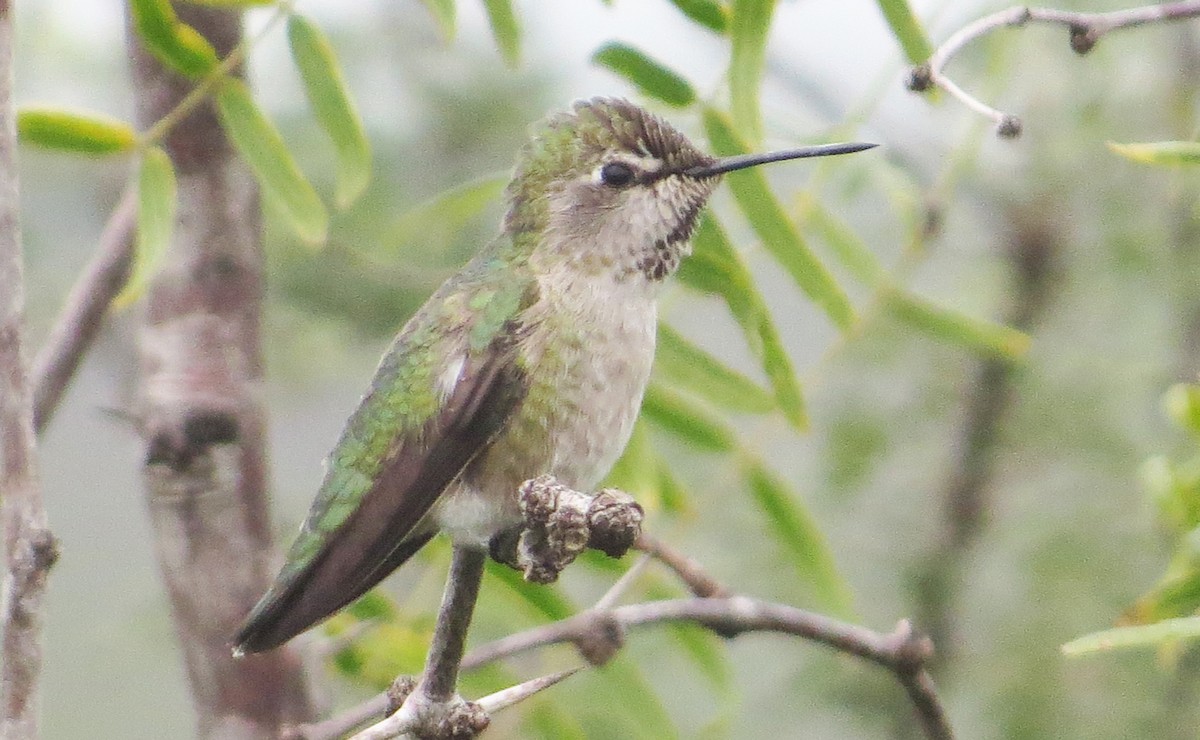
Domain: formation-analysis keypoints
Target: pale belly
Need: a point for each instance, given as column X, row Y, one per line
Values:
column 585, row 392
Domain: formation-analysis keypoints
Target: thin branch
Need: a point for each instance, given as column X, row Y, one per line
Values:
column 83, row 313
column 29, row 547
column 1086, row 29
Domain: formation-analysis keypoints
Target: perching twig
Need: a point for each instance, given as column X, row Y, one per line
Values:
column 433, row 707
column 29, row 547
column 83, row 313
column 1085, row 29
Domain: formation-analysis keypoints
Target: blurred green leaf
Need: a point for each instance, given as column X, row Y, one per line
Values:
column 545, row 718
column 628, row 691
column 847, row 247
column 643, row 473
column 73, row 131
column 708, row 13
column 233, row 3
column 686, row 420
column 1150, row 635
column 684, row 365
column 388, row 649
column 373, row 605
column 155, row 222
column 260, row 144
column 907, row 29
column 447, row 213
column 647, row 75
column 780, row 237
column 1182, row 404
column 332, row 106
column 443, row 12
column 955, row 328
column 749, row 26
column 801, row 538
column 701, row 644
column 1160, row 152
column 715, row 267
column 544, row 601
column 505, row 29
column 175, row 44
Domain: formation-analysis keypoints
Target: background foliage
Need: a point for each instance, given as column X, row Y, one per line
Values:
column 813, row 393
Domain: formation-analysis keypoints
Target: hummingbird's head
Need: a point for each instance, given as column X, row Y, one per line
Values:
column 602, row 188
column 611, row 188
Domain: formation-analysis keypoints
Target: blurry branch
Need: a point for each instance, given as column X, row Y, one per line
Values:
column 1085, row 30
column 599, row 633
column 83, row 313
column 1034, row 254
column 200, row 411
column 29, row 548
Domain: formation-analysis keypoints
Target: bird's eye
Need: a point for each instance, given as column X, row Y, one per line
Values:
column 616, row 174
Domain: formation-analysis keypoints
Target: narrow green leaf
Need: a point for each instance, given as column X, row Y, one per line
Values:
column 259, row 143
column 715, row 267
column 505, row 29
column 801, row 538
column 907, row 30
column 949, row 326
column 1149, row 635
column 847, row 247
column 74, row 131
column 443, row 12
column 155, row 222
column 684, row 365
column 749, row 25
column 686, row 420
column 332, row 106
column 647, row 75
column 708, row 13
column 175, row 44
column 442, row 217
column 1160, row 152
column 768, row 219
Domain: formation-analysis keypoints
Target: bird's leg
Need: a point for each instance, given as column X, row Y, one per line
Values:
column 435, row 701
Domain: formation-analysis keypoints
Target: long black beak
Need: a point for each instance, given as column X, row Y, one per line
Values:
column 742, row 161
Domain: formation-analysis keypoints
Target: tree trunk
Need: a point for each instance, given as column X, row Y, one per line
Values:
column 201, row 410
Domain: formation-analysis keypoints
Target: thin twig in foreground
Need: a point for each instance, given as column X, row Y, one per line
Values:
column 1085, row 29
column 83, row 313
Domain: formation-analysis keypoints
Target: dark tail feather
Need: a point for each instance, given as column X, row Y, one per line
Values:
column 281, row 616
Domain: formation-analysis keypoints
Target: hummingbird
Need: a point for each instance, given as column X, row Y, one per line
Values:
column 532, row 360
